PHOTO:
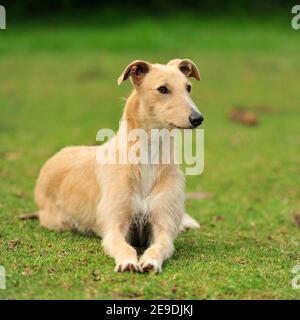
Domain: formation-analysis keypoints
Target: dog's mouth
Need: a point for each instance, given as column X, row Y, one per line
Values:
column 180, row 127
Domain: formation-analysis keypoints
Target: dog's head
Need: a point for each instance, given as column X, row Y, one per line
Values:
column 165, row 92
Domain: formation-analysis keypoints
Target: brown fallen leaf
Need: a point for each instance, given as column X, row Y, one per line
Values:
column 64, row 285
column 174, row 289
column 27, row 272
column 198, row 195
column 96, row 274
column 12, row 244
column 283, row 230
column 297, row 218
column 246, row 117
column 218, row 218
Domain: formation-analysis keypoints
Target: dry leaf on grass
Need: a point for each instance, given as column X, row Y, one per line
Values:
column 96, row 275
column 297, row 218
column 246, row 117
column 218, row 218
column 12, row 244
column 28, row 271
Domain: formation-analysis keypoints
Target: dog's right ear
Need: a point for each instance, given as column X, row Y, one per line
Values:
column 136, row 70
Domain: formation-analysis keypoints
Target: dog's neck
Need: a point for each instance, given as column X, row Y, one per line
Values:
column 132, row 113
column 134, row 118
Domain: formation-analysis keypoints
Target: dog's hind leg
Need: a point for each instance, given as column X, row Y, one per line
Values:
column 188, row 223
column 54, row 218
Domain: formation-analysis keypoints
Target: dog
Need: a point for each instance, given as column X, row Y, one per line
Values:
column 127, row 205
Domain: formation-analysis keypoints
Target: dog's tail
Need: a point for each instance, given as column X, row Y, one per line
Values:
column 29, row 216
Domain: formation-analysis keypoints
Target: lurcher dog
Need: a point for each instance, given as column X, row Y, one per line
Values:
column 127, row 204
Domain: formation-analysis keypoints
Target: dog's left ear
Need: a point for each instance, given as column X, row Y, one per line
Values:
column 136, row 70
column 186, row 66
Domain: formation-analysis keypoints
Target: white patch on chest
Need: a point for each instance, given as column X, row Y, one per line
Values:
column 142, row 199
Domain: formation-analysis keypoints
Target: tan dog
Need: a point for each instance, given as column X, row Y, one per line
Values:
column 127, row 204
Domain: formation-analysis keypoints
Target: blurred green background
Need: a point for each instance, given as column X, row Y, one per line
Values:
column 59, row 61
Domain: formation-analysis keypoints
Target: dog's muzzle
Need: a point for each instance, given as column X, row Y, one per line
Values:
column 196, row 119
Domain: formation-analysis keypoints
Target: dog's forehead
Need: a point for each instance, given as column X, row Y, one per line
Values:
column 166, row 73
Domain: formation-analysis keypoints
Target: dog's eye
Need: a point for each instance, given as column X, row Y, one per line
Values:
column 163, row 89
column 189, row 88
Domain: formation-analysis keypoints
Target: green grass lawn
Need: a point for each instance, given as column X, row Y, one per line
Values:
column 58, row 87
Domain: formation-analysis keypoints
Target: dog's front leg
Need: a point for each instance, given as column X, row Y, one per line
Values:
column 162, row 248
column 165, row 217
column 114, row 219
column 115, row 245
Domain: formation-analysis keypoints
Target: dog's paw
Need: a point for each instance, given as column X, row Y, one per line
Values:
column 127, row 265
column 146, row 265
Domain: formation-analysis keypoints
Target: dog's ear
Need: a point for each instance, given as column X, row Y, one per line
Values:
column 136, row 70
column 186, row 66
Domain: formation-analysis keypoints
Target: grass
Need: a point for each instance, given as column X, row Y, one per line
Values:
column 58, row 87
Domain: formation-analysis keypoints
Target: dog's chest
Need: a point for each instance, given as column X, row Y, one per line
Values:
column 147, row 180
column 149, row 174
column 140, row 232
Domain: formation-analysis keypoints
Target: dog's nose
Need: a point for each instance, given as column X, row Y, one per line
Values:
column 196, row 119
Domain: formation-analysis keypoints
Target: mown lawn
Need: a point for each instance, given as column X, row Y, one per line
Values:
column 58, row 87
